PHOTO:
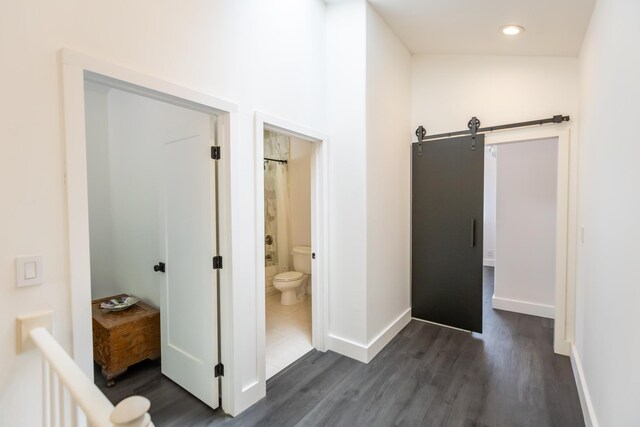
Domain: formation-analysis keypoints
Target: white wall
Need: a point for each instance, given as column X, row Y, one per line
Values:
column 526, row 227
column 369, row 79
column 263, row 56
column 449, row 89
column 489, row 224
column 346, row 101
column 608, row 291
column 388, row 155
column 299, row 192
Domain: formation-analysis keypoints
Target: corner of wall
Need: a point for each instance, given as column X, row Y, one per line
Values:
column 384, row 337
column 366, row 353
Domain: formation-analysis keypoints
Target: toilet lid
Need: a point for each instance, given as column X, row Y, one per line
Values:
column 288, row 276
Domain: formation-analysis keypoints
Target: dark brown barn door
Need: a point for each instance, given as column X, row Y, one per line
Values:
column 447, row 214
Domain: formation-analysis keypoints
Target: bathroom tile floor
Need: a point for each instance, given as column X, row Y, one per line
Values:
column 288, row 332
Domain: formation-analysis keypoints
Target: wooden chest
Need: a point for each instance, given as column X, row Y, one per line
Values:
column 122, row 338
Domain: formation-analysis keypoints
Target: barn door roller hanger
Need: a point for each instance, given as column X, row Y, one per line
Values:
column 474, row 128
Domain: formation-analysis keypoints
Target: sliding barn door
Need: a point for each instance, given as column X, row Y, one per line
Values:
column 447, row 213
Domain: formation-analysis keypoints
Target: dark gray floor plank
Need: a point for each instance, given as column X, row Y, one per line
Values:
column 427, row 376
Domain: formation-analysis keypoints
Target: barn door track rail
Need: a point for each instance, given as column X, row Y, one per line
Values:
column 474, row 129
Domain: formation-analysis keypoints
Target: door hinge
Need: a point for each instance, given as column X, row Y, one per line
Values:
column 217, row 262
column 218, row 370
column 215, row 152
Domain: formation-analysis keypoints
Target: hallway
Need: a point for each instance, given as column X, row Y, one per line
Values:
column 427, row 376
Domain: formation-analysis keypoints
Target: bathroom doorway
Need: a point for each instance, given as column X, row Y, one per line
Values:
column 291, row 165
column 287, row 246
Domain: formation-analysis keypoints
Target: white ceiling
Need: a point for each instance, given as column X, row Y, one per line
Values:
column 553, row 27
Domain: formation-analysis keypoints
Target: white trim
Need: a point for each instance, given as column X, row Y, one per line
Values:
column 366, row 353
column 566, row 223
column 384, row 337
column 347, row 347
column 74, row 68
column 588, row 411
column 319, row 231
column 129, row 77
column 489, row 262
column 524, row 307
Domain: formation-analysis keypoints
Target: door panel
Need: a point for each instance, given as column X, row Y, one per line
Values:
column 188, row 297
column 447, row 213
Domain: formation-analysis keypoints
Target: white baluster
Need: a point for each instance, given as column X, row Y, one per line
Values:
column 52, row 398
column 74, row 411
column 61, row 404
column 45, row 395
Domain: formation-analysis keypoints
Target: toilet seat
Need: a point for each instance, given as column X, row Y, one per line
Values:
column 288, row 276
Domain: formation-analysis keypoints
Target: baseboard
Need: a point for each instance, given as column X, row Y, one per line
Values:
column 588, row 411
column 366, row 353
column 383, row 338
column 489, row 262
column 347, row 348
column 524, row 307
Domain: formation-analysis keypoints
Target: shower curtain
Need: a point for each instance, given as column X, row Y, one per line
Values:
column 282, row 208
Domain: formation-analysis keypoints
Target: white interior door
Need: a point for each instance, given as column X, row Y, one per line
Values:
column 189, row 284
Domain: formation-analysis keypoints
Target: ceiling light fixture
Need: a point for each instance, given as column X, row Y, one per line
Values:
column 511, row 30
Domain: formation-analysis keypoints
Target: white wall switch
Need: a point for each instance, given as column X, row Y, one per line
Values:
column 29, row 270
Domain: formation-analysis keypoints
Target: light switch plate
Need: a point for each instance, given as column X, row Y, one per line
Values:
column 29, row 270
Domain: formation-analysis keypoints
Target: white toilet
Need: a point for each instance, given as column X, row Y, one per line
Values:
column 290, row 282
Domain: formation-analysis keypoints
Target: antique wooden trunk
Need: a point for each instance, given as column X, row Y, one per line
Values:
column 122, row 338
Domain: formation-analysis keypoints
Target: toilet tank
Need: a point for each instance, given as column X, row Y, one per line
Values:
column 302, row 259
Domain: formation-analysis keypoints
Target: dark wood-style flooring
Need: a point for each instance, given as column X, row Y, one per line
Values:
column 427, row 376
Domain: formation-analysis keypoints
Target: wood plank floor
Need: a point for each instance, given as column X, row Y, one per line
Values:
column 427, row 376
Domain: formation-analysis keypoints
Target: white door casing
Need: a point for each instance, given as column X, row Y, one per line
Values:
column 76, row 67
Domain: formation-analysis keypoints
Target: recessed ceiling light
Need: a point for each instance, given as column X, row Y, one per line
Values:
column 511, row 30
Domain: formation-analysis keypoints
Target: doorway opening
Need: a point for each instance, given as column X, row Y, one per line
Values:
column 288, row 253
column 152, row 190
column 292, row 242
column 521, row 210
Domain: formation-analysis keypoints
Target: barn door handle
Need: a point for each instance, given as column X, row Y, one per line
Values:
column 159, row 267
column 473, row 233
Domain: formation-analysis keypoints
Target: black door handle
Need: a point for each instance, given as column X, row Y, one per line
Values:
column 473, row 233
column 159, row 267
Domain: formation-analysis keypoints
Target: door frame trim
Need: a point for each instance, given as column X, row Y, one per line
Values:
column 566, row 223
column 74, row 67
column 319, row 229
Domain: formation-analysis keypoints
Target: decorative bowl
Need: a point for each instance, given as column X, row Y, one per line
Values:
column 119, row 304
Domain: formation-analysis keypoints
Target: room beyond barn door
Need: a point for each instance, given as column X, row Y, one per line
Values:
column 188, row 244
column 447, row 216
